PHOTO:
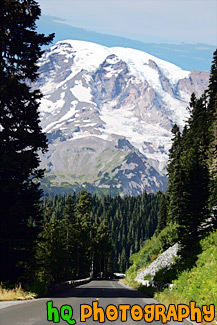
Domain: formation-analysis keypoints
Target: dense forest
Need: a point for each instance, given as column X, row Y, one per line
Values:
column 83, row 233
column 191, row 198
column 188, row 212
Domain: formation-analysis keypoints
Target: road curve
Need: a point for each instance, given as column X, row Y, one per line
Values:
column 105, row 292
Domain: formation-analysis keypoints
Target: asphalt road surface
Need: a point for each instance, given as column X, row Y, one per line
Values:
column 105, row 292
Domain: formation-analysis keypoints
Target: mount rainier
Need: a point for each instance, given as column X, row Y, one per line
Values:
column 108, row 114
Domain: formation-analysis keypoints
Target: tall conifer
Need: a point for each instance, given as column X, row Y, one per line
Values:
column 212, row 91
column 21, row 136
column 82, row 235
column 176, row 175
column 162, row 215
column 68, row 224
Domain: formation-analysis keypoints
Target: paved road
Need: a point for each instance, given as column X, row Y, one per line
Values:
column 105, row 292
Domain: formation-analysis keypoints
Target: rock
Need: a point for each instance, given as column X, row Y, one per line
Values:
column 163, row 261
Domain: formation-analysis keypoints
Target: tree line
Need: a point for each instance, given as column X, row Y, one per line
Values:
column 191, row 198
column 71, row 246
column 83, row 235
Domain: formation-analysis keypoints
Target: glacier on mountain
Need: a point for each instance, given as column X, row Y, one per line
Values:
column 108, row 109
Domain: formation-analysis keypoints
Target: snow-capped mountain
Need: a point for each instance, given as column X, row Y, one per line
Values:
column 108, row 113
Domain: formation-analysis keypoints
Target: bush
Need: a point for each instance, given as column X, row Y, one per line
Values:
column 40, row 289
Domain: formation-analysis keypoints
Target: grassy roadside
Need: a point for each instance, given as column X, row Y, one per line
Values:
column 198, row 283
column 162, row 297
column 16, row 293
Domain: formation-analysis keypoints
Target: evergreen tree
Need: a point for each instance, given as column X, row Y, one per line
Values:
column 212, row 89
column 213, row 162
column 162, row 216
column 195, row 196
column 21, row 136
column 189, row 174
column 68, row 223
column 115, row 224
column 212, row 106
column 82, row 235
column 123, row 261
column 101, row 248
column 195, row 159
column 51, row 255
column 105, row 247
column 176, row 208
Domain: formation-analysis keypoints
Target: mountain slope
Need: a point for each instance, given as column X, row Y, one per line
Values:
column 108, row 113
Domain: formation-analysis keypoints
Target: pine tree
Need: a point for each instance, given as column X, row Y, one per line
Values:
column 189, row 174
column 123, row 261
column 21, row 136
column 196, row 161
column 213, row 162
column 212, row 106
column 195, row 196
column 176, row 208
column 82, row 235
column 162, row 216
column 51, row 254
column 117, row 225
column 103, row 248
column 68, row 223
column 212, row 89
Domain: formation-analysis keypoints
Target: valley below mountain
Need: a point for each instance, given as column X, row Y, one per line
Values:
column 108, row 114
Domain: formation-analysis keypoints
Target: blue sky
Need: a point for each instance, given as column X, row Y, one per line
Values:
column 157, row 21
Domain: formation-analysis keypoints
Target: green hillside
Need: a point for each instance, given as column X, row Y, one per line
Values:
column 187, row 213
column 191, row 283
column 199, row 283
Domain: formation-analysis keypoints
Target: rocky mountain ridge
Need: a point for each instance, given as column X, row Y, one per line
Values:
column 108, row 113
